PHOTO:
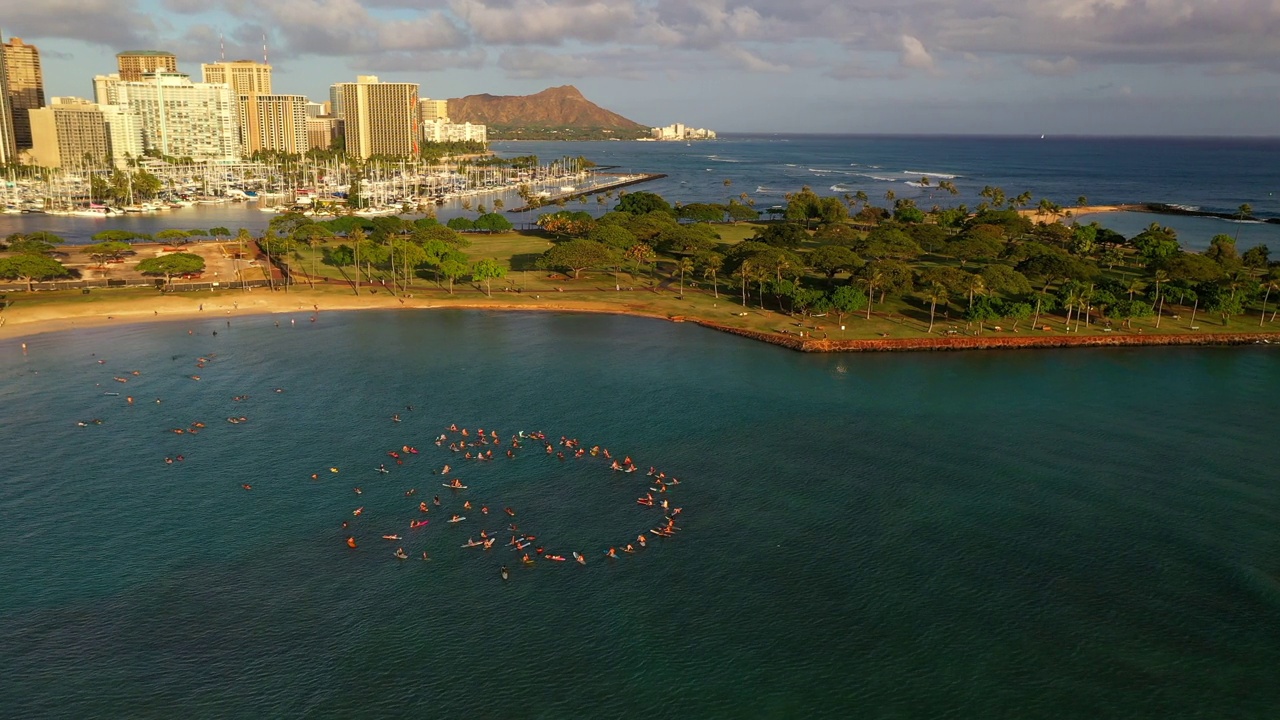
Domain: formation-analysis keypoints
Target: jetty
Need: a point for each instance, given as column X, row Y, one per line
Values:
column 620, row 180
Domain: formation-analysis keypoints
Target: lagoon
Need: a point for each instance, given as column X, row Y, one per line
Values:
column 1015, row 534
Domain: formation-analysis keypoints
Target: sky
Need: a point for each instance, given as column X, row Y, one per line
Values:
column 1080, row 67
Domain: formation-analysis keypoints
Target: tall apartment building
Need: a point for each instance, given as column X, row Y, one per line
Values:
column 433, row 110
column 124, row 133
column 274, row 122
column 26, row 87
column 104, row 89
column 335, row 100
column 134, row 64
column 182, row 118
column 8, row 151
column 380, row 118
column 245, row 77
column 263, row 125
column 70, row 132
column 321, row 131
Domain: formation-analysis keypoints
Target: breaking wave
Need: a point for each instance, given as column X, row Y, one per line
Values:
column 930, row 175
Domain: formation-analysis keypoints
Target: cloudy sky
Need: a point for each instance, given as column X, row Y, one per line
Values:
column 1098, row 67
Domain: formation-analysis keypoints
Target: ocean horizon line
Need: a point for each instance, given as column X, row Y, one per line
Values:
column 998, row 136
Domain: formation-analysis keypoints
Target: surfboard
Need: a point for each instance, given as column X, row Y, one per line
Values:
column 453, row 487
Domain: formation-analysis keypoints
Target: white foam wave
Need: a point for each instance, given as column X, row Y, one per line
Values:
column 930, row 175
column 913, row 183
column 841, row 188
column 879, row 178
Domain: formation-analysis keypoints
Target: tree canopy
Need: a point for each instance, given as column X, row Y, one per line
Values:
column 575, row 256
column 171, row 264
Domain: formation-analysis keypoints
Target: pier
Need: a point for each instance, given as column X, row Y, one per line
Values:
column 620, row 181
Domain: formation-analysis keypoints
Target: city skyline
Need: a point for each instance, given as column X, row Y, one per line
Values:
column 1112, row 67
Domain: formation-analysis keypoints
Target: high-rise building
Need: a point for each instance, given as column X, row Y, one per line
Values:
column 315, row 109
column 8, row 151
column 321, row 131
column 134, row 64
column 104, row 89
column 26, row 87
column 445, row 131
column 433, row 110
column 380, row 118
column 124, row 132
column 182, row 118
column 274, row 122
column 70, row 132
column 335, row 100
column 245, row 77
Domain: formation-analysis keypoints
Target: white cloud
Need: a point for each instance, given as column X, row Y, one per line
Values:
column 751, row 62
column 914, row 55
column 545, row 22
column 1047, row 37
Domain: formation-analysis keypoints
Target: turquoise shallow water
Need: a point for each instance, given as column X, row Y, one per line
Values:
column 1014, row 534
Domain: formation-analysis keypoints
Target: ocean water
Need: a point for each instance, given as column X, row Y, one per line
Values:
column 1015, row 534
column 1213, row 174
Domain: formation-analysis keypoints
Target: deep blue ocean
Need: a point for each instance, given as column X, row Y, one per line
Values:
column 1211, row 174
column 1015, row 534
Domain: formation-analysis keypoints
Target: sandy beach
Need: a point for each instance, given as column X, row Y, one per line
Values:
column 26, row 319
column 1068, row 212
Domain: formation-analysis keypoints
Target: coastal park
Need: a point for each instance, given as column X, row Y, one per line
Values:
column 827, row 276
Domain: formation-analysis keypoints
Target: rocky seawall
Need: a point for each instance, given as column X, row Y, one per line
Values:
column 996, row 341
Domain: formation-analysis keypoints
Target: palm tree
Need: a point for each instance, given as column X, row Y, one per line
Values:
column 975, row 285
column 1159, row 276
column 684, row 265
column 356, row 237
column 1135, row 285
column 1086, row 301
column 874, row 276
column 1271, row 282
column 1044, row 208
column 936, row 292
column 1070, row 302
column 889, row 195
column 861, row 196
column 313, row 235
column 711, row 265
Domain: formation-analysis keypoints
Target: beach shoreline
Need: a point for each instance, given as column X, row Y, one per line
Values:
column 301, row 305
